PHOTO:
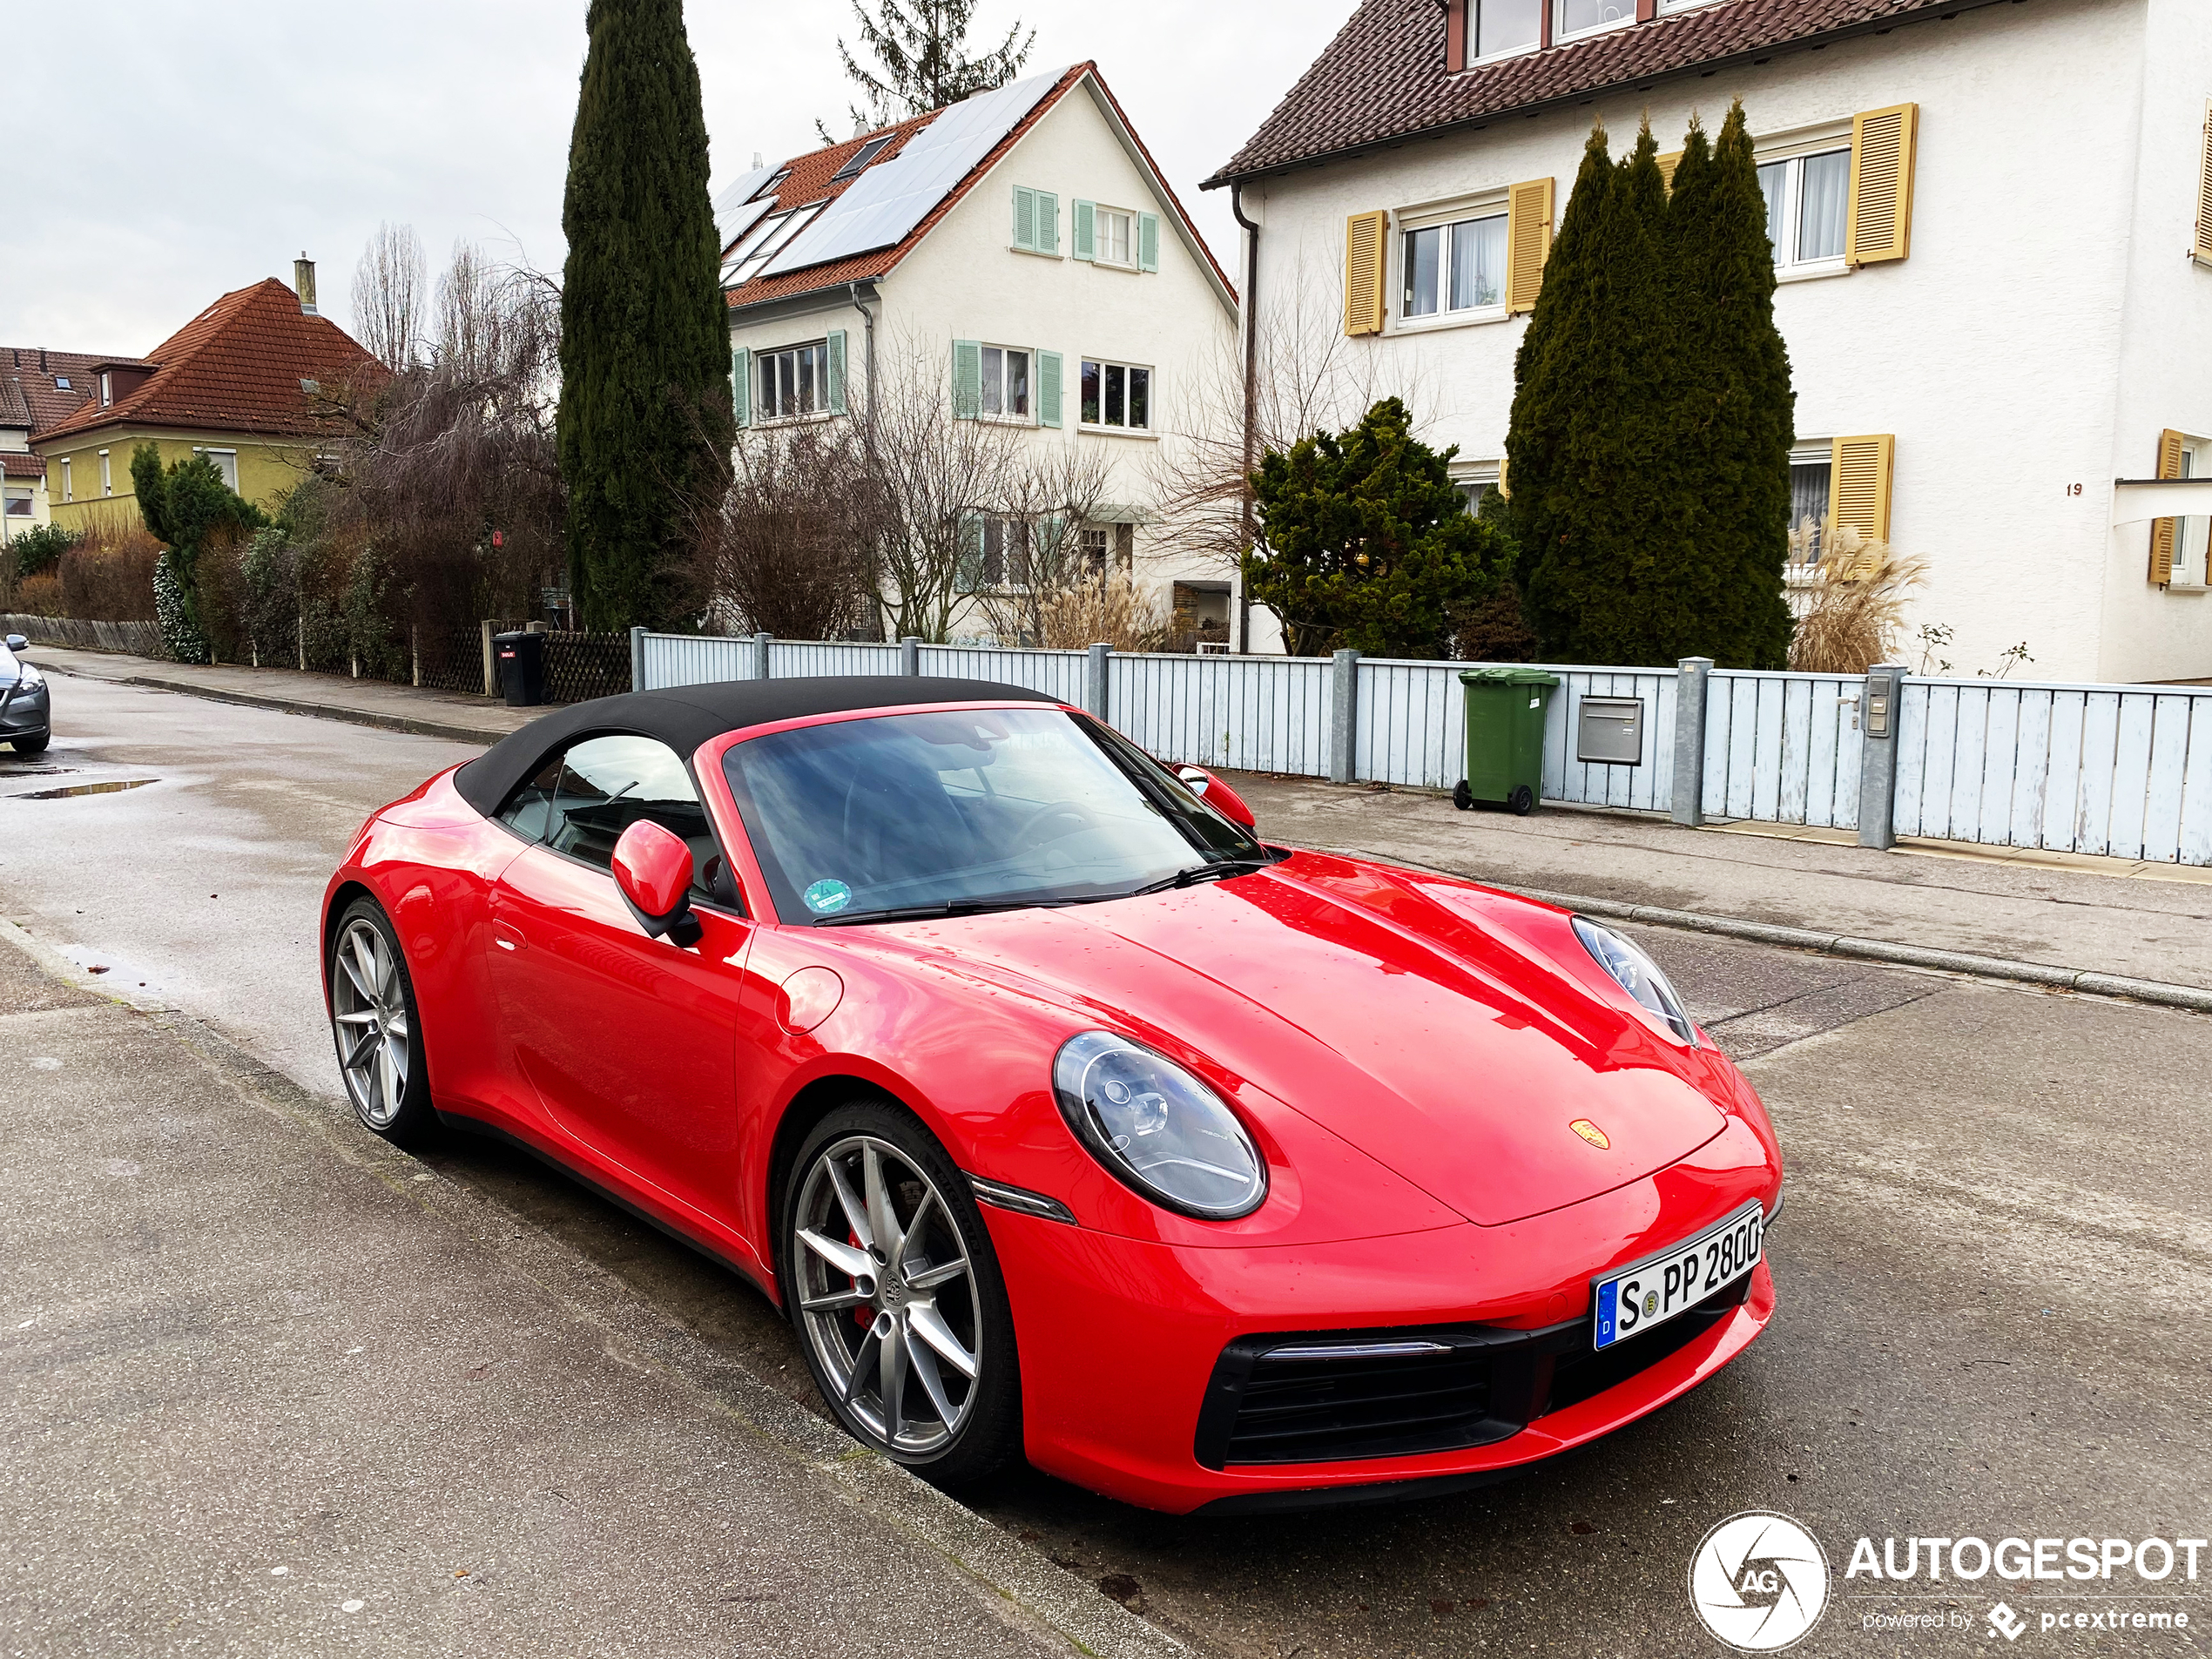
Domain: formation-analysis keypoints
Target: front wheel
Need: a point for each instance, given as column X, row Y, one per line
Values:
column 373, row 1020
column 890, row 1276
column 1462, row 797
column 1521, row 800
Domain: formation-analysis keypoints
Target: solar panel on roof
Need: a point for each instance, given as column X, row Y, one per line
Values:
column 891, row 199
column 739, row 224
column 736, row 198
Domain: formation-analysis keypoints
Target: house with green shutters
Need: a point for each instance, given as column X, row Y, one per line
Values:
column 1022, row 251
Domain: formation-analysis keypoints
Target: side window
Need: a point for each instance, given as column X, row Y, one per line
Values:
column 580, row 802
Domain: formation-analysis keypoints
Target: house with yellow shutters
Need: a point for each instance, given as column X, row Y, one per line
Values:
column 1992, row 234
column 249, row 383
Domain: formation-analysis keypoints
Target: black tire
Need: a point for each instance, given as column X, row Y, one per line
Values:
column 388, row 1083
column 1521, row 800
column 855, row 1314
column 33, row 745
column 1462, row 797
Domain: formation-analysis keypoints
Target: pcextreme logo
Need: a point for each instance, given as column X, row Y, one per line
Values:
column 1759, row 1582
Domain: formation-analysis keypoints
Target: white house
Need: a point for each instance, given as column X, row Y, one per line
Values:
column 1024, row 240
column 1993, row 235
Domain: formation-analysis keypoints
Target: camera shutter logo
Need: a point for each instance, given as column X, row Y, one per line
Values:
column 1759, row 1582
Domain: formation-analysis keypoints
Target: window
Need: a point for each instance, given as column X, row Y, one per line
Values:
column 1812, row 472
column 579, row 803
column 1588, row 17
column 2192, row 535
column 1806, row 200
column 62, row 381
column 794, row 381
column 1116, row 238
column 860, row 158
column 1502, row 26
column 19, row 504
column 226, row 463
column 767, row 239
column 69, row 491
column 1460, row 266
column 107, row 477
column 1474, row 482
column 1006, row 552
column 1006, row 382
column 1108, row 547
column 107, row 389
column 1116, row 394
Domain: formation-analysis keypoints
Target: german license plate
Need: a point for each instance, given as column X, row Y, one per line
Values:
column 1631, row 1300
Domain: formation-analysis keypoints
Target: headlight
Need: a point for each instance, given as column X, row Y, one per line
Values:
column 1157, row 1129
column 26, row 675
column 1638, row 975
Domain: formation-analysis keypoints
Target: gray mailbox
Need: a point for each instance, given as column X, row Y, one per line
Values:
column 1610, row 732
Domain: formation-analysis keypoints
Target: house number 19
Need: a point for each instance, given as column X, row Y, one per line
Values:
column 2073, row 490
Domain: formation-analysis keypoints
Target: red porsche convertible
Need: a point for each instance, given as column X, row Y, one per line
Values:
column 1064, row 1116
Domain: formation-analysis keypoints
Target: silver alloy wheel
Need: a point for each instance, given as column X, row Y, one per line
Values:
column 888, row 1294
column 369, row 1011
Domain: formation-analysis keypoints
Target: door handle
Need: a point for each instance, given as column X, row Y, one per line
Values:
column 507, row 936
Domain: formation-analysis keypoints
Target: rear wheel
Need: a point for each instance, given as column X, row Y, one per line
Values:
column 372, row 1021
column 892, row 1281
column 33, row 745
column 1522, row 800
column 1462, row 797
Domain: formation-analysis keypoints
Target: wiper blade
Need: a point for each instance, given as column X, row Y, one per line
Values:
column 1198, row 872
column 933, row 912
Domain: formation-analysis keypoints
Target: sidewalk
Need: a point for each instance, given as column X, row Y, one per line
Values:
column 329, row 697
column 274, row 1386
column 1936, row 897
column 2066, row 913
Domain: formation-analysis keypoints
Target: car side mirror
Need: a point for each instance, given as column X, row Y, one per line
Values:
column 1218, row 795
column 653, row 871
column 16, row 642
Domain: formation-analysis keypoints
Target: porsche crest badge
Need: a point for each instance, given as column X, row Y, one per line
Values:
column 1592, row 1133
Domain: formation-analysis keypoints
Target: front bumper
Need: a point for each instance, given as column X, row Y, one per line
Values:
column 24, row 713
column 1128, row 1348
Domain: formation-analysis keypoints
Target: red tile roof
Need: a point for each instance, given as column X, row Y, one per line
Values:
column 37, row 371
column 811, row 181
column 1383, row 80
column 237, row 367
column 16, row 463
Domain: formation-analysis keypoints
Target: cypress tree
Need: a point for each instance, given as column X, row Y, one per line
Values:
column 644, row 426
column 1601, row 512
column 1737, row 412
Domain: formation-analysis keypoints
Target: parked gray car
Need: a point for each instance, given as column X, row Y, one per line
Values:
column 26, row 716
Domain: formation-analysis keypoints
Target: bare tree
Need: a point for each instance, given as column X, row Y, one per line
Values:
column 791, row 549
column 388, row 296
column 1048, row 498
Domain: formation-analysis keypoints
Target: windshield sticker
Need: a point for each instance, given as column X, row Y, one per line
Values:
column 827, row 897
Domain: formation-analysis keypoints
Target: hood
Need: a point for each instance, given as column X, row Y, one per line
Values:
column 1437, row 1026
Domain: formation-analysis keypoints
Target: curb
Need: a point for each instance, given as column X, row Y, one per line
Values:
column 1039, row 1593
column 2158, row 993
column 408, row 723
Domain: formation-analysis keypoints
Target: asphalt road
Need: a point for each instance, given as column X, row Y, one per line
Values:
column 1990, row 1321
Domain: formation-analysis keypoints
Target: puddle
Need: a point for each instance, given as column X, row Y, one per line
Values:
column 108, row 788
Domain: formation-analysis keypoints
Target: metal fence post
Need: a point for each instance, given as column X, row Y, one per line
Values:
column 1094, row 678
column 1691, row 683
column 638, row 659
column 1344, row 717
column 760, row 656
column 1877, row 755
column 491, row 664
column 910, row 655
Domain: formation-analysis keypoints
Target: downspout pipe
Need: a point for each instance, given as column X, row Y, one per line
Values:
column 1251, row 400
column 868, row 350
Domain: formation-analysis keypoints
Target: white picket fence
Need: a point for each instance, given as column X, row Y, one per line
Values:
column 2107, row 769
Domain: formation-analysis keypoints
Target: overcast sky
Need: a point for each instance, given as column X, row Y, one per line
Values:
column 165, row 153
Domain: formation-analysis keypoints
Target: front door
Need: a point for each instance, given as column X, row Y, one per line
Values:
column 630, row 1042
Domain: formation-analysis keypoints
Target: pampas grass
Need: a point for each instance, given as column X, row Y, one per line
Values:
column 1852, row 600
column 1110, row 609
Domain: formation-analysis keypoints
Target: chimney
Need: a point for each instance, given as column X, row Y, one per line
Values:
column 303, row 282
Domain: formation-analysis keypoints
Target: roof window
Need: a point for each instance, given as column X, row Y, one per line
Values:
column 62, row 381
column 860, row 158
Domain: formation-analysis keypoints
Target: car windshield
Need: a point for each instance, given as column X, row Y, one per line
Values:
column 955, row 810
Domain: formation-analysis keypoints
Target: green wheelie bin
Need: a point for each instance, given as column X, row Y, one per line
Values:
column 1504, row 729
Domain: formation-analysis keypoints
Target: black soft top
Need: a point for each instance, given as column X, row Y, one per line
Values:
column 687, row 715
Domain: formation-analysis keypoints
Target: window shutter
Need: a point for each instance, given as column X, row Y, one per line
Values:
column 1364, row 234
column 968, row 379
column 1025, row 218
column 1859, row 484
column 970, row 576
column 1668, row 163
column 1148, row 241
column 1048, row 222
column 1504, row 494
column 2203, row 249
column 834, row 351
column 1878, row 222
column 1529, row 241
column 741, row 386
column 1048, row 389
column 1086, row 230
column 2161, row 529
